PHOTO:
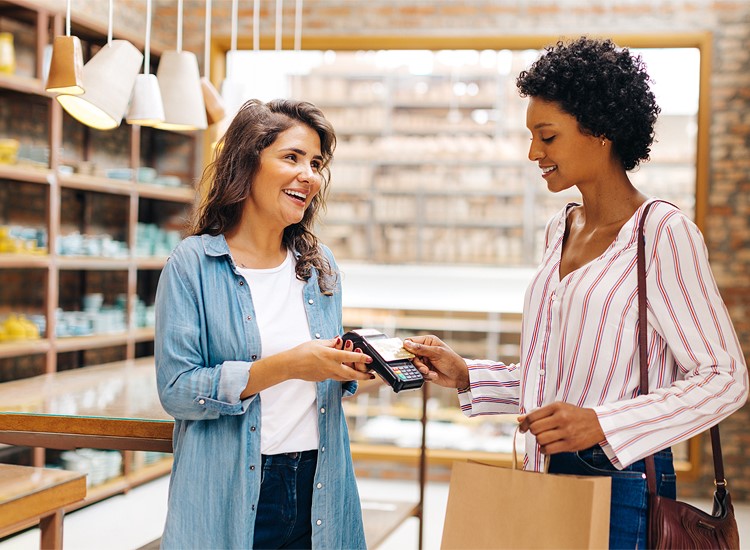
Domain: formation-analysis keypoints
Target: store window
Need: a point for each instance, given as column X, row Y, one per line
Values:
column 431, row 164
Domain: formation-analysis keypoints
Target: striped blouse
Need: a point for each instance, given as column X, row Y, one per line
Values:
column 579, row 342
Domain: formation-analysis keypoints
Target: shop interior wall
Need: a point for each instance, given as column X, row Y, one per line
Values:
column 727, row 220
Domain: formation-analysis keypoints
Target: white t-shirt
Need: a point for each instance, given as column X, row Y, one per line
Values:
column 289, row 413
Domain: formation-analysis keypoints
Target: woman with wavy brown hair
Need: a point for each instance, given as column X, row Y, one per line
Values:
column 249, row 357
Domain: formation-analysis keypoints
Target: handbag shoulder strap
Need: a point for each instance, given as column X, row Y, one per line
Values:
column 643, row 359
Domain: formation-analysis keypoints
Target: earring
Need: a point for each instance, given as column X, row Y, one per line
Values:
column 604, row 142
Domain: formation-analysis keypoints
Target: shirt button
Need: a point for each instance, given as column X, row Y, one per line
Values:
column 542, row 372
column 254, row 357
column 252, row 428
column 322, row 449
column 322, row 410
column 319, row 485
column 249, row 318
column 252, row 467
column 311, row 301
column 317, row 335
column 242, row 283
column 319, row 522
column 201, row 401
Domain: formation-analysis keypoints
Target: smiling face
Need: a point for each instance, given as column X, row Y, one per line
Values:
column 566, row 156
column 287, row 180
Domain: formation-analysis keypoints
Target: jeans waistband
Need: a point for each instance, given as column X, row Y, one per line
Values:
column 294, row 456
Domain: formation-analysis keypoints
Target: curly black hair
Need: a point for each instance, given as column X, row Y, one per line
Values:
column 605, row 88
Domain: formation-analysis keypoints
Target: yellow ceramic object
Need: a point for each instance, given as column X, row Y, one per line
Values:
column 31, row 330
column 14, row 328
column 7, row 53
column 8, row 151
column 18, row 327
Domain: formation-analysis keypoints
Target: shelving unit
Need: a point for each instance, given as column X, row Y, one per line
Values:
column 60, row 187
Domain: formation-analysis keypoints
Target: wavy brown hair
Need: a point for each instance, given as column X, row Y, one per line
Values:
column 230, row 177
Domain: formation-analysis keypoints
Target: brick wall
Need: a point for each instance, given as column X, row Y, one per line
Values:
column 727, row 228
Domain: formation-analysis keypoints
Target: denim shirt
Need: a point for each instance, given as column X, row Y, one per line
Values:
column 206, row 341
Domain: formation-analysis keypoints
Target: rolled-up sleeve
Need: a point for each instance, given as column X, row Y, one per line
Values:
column 189, row 388
column 493, row 389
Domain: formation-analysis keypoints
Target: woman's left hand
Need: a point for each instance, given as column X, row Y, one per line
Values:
column 562, row 427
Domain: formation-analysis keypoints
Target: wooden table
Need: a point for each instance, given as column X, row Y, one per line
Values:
column 112, row 406
column 38, row 494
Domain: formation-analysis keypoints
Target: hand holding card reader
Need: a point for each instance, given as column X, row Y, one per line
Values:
column 389, row 358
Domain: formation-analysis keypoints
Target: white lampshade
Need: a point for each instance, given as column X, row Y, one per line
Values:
column 108, row 79
column 181, row 94
column 66, row 66
column 146, row 108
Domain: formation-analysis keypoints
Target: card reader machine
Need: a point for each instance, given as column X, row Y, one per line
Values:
column 389, row 358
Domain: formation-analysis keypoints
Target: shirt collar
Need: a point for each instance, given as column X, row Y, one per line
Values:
column 216, row 245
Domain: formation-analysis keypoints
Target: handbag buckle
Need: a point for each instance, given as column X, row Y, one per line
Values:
column 723, row 483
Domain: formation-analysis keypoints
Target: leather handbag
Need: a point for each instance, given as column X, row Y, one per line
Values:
column 671, row 523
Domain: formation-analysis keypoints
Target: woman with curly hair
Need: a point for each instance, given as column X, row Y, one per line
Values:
column 591, row 115
column 249, row 358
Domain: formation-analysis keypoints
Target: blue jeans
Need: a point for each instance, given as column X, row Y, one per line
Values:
column 286, row 489
column 628, row 516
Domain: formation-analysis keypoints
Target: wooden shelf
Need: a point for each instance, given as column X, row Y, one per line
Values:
column 24, row 347
column 410, row 455
column 150, row 262
column 26, row 174
column 77, row 343
column 143, row 334
column 96, row 184
column 92, row 204
column 506, row 323
column 24, row 84
column 92, row 263
column 165, row 193
column 24, row 261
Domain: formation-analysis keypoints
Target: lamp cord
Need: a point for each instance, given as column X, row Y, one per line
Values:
column 207, row 40
column 147, row 47
column 278, row 24
column 298, row 27
column 179, row 26
column 67, row 20
column 256, row 25
column 233, row 42
column 109, row 30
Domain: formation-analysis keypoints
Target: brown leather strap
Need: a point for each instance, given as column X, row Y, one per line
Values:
column 643, row 358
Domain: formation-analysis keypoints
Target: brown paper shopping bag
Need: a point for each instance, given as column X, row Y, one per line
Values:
column 493, row 507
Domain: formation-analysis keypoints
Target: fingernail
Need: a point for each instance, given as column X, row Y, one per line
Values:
column 372, row 376
column 338, row 340
column 368, row 359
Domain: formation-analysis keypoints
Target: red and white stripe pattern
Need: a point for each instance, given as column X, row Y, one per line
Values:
column 579, row 342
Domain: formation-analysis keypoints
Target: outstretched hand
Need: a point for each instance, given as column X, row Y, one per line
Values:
column 561, row 427
column 320, row 360
column 437, row 361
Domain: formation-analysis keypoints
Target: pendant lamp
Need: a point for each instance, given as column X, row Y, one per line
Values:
column 232, row 89
column 180, row 85
column 66, row 66
column 211, row 97
column 108, row 79
column 146, row 108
